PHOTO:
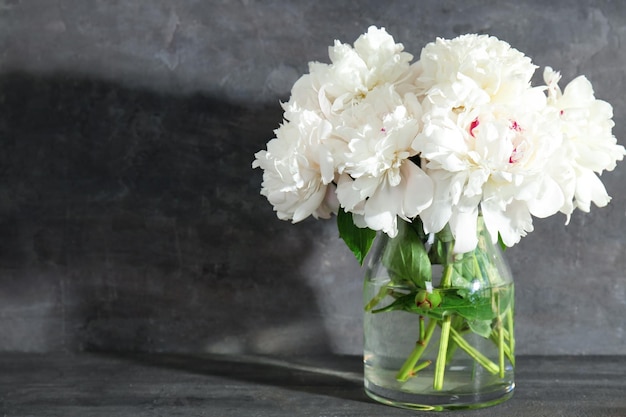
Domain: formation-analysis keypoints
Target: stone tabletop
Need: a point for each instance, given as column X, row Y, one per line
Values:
column 99, row 384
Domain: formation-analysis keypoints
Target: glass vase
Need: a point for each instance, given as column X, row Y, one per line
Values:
column 438, row 325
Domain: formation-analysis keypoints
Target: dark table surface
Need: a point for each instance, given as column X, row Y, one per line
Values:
column 99, row 384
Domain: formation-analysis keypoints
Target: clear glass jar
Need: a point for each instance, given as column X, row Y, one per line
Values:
column 438, row 325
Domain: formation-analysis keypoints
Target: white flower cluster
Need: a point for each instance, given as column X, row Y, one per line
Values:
column 457, row 133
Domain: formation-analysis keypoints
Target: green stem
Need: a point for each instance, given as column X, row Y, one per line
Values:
column 408, row 367
column 501, row 347
column 446, row 280
column 475, row 354
column 477, row 270
column 500, row 328
column 382, row 293
column 421, row 366
column 509, row 317
column 508, row 335
column 459, row 324
column 451, row 350
column 440, row 366
column 506, row 348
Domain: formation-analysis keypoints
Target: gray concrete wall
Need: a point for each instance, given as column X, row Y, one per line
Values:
column 130, row 217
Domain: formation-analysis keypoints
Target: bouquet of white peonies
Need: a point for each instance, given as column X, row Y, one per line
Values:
column 459, row 132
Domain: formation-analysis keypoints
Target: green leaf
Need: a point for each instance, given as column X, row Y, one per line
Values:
column 503, row 246
column 438, row 252
column 478, row 306
column 475, row 309
column 416, row 226
column 359, row 240
column 406, row 258
column 403, row 303
column 466, row 267
column 481, row 327
column 445, row 234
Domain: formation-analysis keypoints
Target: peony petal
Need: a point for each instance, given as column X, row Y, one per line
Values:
column 590, row 189
column 463, row 227
column 549, row 199
column 327, row 168
column 437, row 215
column 418, row 189
column 381, row 209
column 309, row 205
column 347, row 194
column 511, row 224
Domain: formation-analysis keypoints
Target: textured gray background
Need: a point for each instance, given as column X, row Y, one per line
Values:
column 130, row 217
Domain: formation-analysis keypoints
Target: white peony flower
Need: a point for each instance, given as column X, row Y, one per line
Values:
column 312, row 148
column 491, row 159
column 472, row 70
column 298, row 169
column 374, row 60
column 379, row 182
column 589, row 147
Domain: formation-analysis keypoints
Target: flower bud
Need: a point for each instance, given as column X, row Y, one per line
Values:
column 427, row 300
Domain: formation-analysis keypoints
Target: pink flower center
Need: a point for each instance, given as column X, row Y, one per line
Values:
column 515, row 155
column 473, row 126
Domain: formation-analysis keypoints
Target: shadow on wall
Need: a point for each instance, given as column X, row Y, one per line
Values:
column 132, row 220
